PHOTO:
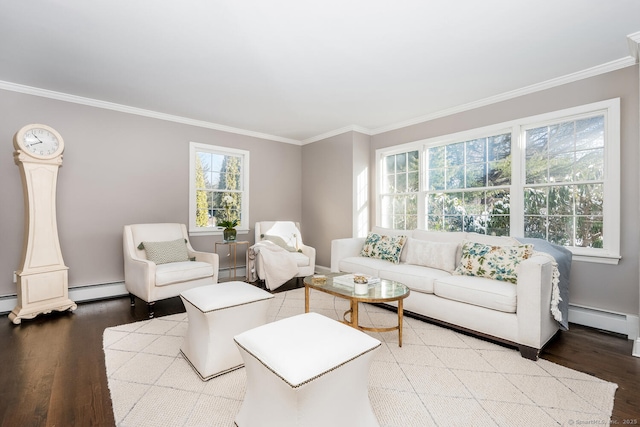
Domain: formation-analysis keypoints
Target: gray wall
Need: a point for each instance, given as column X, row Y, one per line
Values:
column 120, row 169
column 608, row 287
column 327, row 199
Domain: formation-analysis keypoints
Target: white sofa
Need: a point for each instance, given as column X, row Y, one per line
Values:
column 515, row 314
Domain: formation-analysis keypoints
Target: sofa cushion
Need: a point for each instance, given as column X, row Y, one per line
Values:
column 488, row 293
column 177, row 272
column 416, row 278
column 438, row 255
column 164, row 252
column 440, row 236
column 383, row 247
column 358, row 264
column 301, row 259
column 492, row 240
column 491, row 261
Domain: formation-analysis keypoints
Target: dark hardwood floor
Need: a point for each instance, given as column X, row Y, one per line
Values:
column 53, row 373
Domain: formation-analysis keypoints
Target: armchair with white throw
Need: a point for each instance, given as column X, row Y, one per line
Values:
column 279, row 254
column 160, row 263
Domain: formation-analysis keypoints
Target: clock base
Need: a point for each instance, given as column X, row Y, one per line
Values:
column 41, row 293
column 19, row 313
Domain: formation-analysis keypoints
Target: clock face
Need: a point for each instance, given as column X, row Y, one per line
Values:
column 39, row 141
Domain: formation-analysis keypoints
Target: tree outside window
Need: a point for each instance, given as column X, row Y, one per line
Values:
column 468, row 186
column 554, row 176
column 565, row 188
column 219, row 187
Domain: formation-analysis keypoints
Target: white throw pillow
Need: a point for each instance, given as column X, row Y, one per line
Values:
column 438, row 255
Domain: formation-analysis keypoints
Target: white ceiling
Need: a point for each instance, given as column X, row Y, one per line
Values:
column 297, row 69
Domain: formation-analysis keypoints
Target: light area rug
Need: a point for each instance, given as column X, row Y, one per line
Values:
column 437, row 378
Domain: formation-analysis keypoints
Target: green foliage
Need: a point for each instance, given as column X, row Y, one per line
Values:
column 467, row 185
column 202, row 212
column 230, row 199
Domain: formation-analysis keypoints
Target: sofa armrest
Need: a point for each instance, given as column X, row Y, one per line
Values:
column 344, row 248
column 208, row 257
column 535, row 322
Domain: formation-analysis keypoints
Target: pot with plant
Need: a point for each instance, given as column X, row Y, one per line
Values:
column 229, row 224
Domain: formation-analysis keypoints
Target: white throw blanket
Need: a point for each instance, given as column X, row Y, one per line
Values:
column 555, row 281
column 276, row 263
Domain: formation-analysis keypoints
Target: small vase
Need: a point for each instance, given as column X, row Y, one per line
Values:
column 229, row 234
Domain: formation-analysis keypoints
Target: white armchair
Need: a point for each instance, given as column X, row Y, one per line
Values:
column 285, row 234
column 168, row 264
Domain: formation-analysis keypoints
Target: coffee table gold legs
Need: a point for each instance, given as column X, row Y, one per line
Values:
column 353, row 315
column 353, row 321
column 400, row 314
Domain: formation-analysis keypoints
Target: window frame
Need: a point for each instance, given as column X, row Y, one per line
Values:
column 406, row 193
column 195, row 147
column 610, row 109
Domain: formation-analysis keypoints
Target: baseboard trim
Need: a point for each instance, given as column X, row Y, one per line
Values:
column 621, row 323
column 76, row 294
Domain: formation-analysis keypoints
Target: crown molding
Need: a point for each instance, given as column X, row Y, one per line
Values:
column 60, row 96
column 634, row 47
column 340, row 131
column 559, row 81
column 634, row 44
column 628, row 61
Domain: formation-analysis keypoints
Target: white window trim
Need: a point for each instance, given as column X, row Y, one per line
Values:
column 610, row 108
column 217, row 231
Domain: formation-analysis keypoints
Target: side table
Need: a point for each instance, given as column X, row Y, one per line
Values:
column 233, row 245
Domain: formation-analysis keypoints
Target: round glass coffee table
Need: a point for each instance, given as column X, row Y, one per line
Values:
column 382, row 291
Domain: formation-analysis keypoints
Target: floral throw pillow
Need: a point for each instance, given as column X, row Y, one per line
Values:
column 383, row 247
column 492, row 262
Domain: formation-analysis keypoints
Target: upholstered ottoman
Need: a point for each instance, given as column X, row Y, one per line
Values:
column 216, row 314
column 306, row 370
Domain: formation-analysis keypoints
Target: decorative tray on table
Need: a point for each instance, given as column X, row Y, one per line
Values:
column 353, row 279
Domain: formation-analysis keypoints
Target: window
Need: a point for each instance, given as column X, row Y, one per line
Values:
column 564, row 177
column 468, row 185
column 554, row 176
column 401, row 185
column 219, row 187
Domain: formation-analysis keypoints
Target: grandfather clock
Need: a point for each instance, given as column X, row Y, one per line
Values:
column 43, row 284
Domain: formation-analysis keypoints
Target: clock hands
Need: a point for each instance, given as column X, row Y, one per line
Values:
column 39, row 140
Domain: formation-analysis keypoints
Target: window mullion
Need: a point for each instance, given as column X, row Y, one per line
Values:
column 518, row 178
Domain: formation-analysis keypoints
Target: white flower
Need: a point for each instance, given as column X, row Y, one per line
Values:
column 227, row 199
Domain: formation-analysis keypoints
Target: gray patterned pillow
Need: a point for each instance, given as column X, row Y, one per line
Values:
column 165, row 252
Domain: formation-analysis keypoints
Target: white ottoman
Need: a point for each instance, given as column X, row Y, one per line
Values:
column 306, row 370
column 217, row 313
